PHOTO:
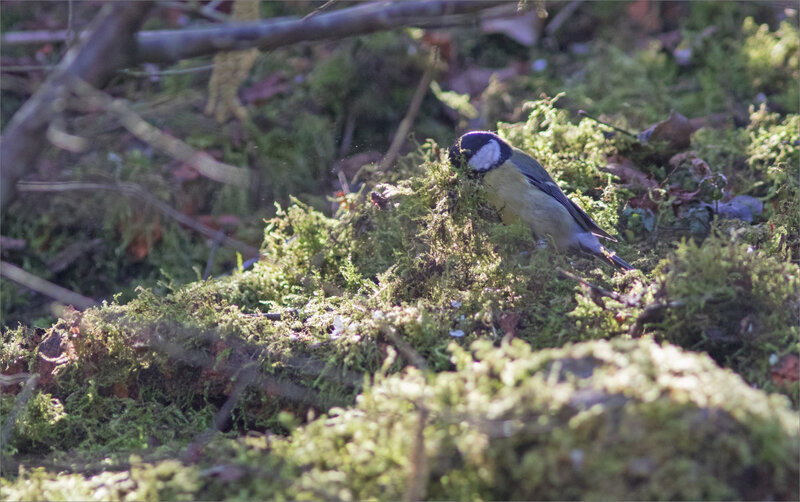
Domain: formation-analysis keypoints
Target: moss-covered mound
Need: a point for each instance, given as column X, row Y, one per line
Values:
column 597, row 420
column 415, row 262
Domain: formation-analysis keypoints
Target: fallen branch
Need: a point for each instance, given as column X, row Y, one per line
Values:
column 34, row 37
column 11, row 244
column 419, row 472
column 47, row 288
column 654, row 312
column 20, row 403
column 169, row 46
column 628, row 302
column 179, row 150
column 405, row 348
column 134, row 190
column 108, row 47
column 413, row 108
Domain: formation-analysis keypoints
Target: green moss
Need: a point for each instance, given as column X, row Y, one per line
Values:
column 628, row 419
column 736, row 303
column 772, row 61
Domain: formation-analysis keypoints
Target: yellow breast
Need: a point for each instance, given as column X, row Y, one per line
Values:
column 517, row 200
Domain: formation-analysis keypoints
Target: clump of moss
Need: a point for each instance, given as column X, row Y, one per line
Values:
column 620, row 420
column 736, row 303
column 432, row 262
column 772, row 60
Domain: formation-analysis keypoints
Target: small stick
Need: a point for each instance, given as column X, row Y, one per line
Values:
column 19, row 403
column 134, row 190
column 327, row 5
column 602, row 291
column 212, row 253
column 418, row 477
column 411, row 114
column 411, row 355
column 47, row 288
column 562, row 16
column 582, row 113
column 179, row 150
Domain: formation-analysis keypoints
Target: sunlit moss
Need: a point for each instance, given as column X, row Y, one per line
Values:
column 736, row 303
column 628, row 419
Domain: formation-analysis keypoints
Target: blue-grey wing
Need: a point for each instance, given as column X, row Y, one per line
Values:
column 538, row 177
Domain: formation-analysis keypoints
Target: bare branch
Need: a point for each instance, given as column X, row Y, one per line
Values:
column 19, row 403
column 47, row 288
column 108, row 47
column 168, row 46
column 405, row 348
column 174, row 147
column 628, row 302
column 134, row 190
column 34, row 37
column 413, row 108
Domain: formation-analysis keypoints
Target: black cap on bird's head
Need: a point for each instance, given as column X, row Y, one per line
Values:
column 482, row 150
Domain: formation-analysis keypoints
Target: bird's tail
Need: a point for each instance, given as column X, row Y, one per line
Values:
column 612, row 258
column 589, row 244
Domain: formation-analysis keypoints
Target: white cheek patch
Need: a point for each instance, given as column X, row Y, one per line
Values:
column 486, row 158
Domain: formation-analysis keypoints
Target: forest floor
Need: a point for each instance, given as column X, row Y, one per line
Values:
column 394, row 339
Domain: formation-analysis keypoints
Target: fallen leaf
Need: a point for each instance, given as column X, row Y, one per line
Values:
column 676, row 130
column 628, row 173
column 350, row 165
column 741, row 207
column 219, row 221
column 264, row 90
column 474, row 81
column 786, row 371
column 145, row 235
column 681, row 196
column 645, row 13
column 698, row 167
column 120, row 389
column 185, row 172
column 442, row 41
column 508, row 323
column 524, row 29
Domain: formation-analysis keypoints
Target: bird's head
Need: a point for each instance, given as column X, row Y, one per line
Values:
column 482, row 151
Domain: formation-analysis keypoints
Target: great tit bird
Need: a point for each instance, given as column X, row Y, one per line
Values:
column 521, row 190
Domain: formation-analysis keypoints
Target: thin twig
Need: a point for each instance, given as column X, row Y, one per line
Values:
column 583, row 113
column 204, row 163
column 562, row 16
column 327, row 5
column 134, row 190
column 245, row 377
column 27, row 67
column 652, row 313
column 211, row 14
column 628, row 302
column 108, row 46
column 164, row 73
column 408, row 352
column 34, row 37
column 212, row 253
column 19, row 403
column 413, row 109
column 272, row 316
column 418, row 475
column 11, row 244
column 47, row 288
